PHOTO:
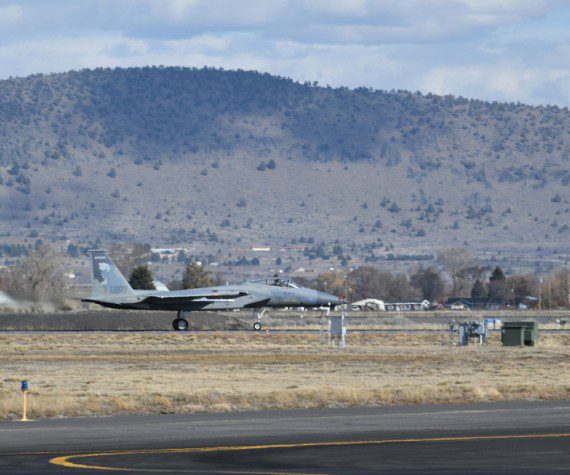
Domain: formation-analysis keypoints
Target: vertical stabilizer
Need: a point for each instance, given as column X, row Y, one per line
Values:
column 106, row 279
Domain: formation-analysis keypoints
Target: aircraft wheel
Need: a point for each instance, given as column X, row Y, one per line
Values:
column 257, row 326
column 180, row 324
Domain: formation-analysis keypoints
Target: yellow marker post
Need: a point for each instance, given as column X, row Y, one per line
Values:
column 25, row 408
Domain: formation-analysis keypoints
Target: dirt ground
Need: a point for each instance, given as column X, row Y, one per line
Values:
column 102, row 373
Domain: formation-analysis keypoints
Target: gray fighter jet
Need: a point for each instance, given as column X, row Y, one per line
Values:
column 109, row 288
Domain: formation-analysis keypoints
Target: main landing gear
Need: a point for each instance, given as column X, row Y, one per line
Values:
column 180, row 324
column 258, row 314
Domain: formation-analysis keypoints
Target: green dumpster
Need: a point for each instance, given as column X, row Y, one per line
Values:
column 520, row 334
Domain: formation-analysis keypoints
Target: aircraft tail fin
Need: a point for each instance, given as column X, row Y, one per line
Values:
column 106, row 278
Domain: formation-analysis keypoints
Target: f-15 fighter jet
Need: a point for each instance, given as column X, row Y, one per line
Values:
column 109, row 288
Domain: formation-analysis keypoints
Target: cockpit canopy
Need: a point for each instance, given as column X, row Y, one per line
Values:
column 276, row 282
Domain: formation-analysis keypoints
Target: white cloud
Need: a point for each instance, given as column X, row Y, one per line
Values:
column 508, row 82
column 490, row 49
column 369, row 21
column 11, row 14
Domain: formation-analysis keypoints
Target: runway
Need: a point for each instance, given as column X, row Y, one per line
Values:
column 505, row 438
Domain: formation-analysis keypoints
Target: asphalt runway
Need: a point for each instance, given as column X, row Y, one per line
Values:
column 501, row 438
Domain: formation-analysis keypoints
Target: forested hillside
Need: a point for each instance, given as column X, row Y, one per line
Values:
column 178, row 154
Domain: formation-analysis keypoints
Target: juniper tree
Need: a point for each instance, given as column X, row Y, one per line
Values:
column 497, row 286
column 141, row 278
column 195, row 276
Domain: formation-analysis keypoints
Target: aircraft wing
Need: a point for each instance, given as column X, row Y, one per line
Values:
column 195, row 296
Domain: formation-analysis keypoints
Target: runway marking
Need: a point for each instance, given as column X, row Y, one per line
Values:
column 65, row 461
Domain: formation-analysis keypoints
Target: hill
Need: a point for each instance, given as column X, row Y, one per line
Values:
column 228, row 159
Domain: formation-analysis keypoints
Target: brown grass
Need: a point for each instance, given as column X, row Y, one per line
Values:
column 114, row 373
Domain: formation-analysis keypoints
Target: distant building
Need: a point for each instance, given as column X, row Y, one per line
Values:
column 461, row 303
column 406, row 306
column 528, row 302
column 261, row 249
column 367, row 304
column 167, row 250
column 380, row 305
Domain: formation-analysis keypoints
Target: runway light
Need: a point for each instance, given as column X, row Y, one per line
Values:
column 25, row 394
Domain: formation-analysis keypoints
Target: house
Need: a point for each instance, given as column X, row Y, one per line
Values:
column 460, row 303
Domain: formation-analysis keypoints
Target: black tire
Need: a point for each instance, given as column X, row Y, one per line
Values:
column 180, row 324
column 257, row 326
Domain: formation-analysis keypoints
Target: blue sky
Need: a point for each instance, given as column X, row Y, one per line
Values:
column 508, row 50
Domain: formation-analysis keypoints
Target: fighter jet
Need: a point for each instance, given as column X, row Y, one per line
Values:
column 109, row 288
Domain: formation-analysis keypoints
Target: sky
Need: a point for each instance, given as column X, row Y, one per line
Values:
column 506, row 50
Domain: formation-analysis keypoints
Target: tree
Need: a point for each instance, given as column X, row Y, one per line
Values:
column 73, row 251
column 478, row 291
column 555, row 289
column 37, row 274
column 466, row 278
column 497, row 275
column 497, row 286
column 455, row 260
column 331, row 282
column 429, row 283
column 522, row 286
column 195, row 276
column 394, row 208
column 141, row 278
column 368, row 282
column 181, row 256
column 127, row 258
column 218, row 279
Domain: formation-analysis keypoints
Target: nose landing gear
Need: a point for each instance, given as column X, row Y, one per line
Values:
column 180, row 324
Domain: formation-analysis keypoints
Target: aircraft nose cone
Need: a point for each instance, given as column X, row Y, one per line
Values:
column 324, row 299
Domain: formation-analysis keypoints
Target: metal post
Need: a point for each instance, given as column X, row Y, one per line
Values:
column 322, row 332
column 25, row 410
column 330, row 340
column 343, row 334
column 25, row 402
column 568, row 287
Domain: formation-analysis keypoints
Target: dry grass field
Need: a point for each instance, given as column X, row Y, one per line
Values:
column 85, row 374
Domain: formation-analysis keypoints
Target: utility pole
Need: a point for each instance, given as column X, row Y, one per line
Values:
column 567, row 276
column 549, row 294
column 346, row 286
column 540, row 292
column 513, row 289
